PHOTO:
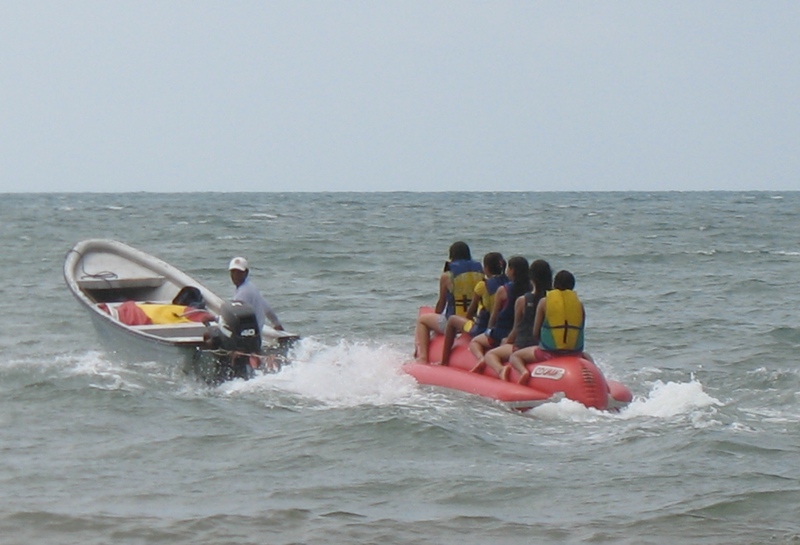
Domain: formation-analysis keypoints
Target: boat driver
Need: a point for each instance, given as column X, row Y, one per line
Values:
column 246, row 292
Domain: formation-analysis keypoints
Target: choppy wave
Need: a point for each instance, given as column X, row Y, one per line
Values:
column 692, row 301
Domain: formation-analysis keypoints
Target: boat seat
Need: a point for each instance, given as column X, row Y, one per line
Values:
column 191, row 331
column 121, row 283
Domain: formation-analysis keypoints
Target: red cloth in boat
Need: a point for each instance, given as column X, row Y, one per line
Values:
column 130, row 314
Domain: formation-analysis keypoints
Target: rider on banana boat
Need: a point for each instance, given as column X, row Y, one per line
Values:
column 456, row 290
column 559, row 325
column 521, row 335
column 502, row 319
column 477, row 319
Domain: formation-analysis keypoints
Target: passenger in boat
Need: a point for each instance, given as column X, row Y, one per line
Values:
column 502, row 319
column 246, row 292
column 477, row 318
column 456, row 290
column 521, row 335
column 190, row 296
column 559, row 325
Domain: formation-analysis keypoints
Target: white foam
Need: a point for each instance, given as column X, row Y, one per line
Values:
column 91, row 362
column 566, row 409
column 345, row 375
column 670, row 399
column 105, row 374
column 665, row 400
column 88, row 363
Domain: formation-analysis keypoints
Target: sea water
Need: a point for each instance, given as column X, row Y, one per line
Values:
column 693, row 301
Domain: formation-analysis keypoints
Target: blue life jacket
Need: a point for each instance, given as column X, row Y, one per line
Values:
column 505, row 318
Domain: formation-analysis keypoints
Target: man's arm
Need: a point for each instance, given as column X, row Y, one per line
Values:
column 272, row 317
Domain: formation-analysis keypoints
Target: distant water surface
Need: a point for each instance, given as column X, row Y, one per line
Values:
column 693, row 301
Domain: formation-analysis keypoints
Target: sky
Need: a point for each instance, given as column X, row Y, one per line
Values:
column 303, row 95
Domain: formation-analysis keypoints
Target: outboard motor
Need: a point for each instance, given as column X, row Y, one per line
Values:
column 238, row 321
column 237, row 336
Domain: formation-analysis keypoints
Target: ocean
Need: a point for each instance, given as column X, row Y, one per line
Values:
column 692, row 301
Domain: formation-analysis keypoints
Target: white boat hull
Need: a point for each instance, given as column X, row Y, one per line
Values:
column 103, row 274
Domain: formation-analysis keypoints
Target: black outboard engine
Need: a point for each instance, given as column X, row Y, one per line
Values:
column 238, row 320
column 236, row 337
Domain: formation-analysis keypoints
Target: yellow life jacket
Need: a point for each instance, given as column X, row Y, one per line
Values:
column 564, row 321
column 487, row 299
column 492, row 284
column 165, row 314
column 464, row 276
column 463, row 290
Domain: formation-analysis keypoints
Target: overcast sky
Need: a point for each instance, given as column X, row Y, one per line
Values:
column 399, row 95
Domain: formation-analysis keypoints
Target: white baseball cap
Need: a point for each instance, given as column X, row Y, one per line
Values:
column 238, row 263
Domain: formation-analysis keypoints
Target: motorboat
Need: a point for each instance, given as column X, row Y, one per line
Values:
column 145, row 309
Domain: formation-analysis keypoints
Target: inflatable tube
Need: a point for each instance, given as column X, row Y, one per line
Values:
column 514, row 395
column 572, row 377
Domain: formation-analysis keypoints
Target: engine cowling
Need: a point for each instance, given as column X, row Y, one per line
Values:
column 239, row 321
column 237, row 336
